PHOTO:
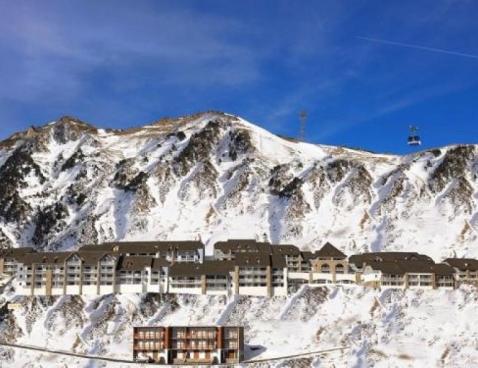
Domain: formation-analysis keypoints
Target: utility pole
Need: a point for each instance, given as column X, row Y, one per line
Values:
column 303, row 121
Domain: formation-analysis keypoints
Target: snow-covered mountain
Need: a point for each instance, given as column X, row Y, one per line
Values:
column 391, row 328
column 214, row 176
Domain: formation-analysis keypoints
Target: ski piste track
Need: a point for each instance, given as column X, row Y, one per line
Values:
column 115, row 360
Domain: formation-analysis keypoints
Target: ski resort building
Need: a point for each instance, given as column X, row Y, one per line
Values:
column 188, row 345
column 238, row 267
column 8, row 259
column 466, row 269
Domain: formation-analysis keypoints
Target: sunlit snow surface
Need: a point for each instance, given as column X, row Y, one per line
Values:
column 381, row 328
column 382, row 202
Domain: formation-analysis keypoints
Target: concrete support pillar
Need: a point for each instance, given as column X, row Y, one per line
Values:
column 114, row 277
column 358, row 278
column 33, row 279
column 81, row 278
column 269, row 281
column 65, row 274
column 203, row 284
column 286, row 280
column 332, row 269
column 144, row 281
column 405, row 281
column 311, row 277
column 98, row 277
column 166, row 279
column 434, row 281
column 236, row 280
column 2, row 265
column 48, row 282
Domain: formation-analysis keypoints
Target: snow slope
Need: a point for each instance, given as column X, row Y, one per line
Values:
column 214, row 176
column 391, row 328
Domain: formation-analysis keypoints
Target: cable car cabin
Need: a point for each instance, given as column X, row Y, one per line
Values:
column 413, row 137
column 414, row 140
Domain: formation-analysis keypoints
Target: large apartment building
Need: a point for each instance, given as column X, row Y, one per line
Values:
column 238, row 267
column 402, row 270
column 188, row 344
column 466, row 269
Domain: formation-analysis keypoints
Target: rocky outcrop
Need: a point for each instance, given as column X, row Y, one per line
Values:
column 67, row 183
column 49, row 220
column 199, row 148
column 16, row 173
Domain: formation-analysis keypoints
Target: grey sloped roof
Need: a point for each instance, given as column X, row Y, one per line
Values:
column 15, row 252
column 307, row 256
column 418, row 266
column 442, row 269
column 278, row 261
column 329, row 251
column 242, row 245
column 92, row 258
column 134, row 263
column 159, row 263
column 197, row 269
column 400, row 267
column 252, row 260
column 253, row 246
column 49, row 258
column 386, row 267
column 145, row 246
column 103, row 247
column 286, row 249
column 359, row 259
column 260, row 260
column 463, row 264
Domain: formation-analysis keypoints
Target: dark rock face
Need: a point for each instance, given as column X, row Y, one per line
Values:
column 212, row 167
column 240, row 143
column 280, row 177
column 453, row 170
column 73, row 160
column 354, row 178
column 127, row 178
column 316, row 179
column 166, row 179
column 454, row 165
column 5, row 242
column 13, row 175
column 336, row 170
column 202, row 180
column 49, row 219
column 68, row 129
column 180, row 136
column 199, row 148
column 292, row 188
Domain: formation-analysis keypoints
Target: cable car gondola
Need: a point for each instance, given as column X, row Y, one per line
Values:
column 413, row 137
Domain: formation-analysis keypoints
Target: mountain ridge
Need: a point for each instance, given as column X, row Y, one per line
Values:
column 215, row 175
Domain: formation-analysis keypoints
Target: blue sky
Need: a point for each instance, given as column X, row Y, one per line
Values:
column 123, row 64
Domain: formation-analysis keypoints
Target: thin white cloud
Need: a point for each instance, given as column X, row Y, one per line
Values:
column 418, row 47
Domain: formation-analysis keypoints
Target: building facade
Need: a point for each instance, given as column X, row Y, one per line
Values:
column 466, row 269
column 237, row 268
column 188, row 344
